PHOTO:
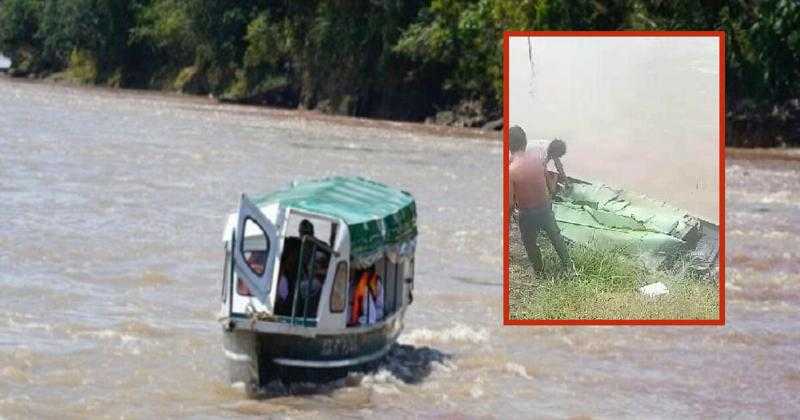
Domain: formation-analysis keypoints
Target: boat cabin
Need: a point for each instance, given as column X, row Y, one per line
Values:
column 327, row 256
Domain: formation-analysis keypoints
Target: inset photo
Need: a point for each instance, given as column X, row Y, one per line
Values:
column 613, row 183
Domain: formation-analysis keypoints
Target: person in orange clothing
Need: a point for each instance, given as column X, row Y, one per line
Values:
column 367, row 303
column 357, row 305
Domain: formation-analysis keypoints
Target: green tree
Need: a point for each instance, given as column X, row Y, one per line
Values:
column 19, row 25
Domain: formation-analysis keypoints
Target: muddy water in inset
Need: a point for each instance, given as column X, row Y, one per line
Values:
column 112, row 206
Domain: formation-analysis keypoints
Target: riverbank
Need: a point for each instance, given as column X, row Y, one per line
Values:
column 774, row 124
column 774, row 153
column 421, row 128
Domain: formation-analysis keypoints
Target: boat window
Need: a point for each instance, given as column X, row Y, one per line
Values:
column 322, row 229
column 398, row 284
column 339, row 288
column 381, row 267
column 390, row 286
column 367, row 295
column 255, row 246
column 408, row 279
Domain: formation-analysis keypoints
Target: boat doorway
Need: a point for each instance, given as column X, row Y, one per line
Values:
column 304, row 265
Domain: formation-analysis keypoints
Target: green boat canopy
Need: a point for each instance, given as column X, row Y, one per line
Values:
column 380, row 219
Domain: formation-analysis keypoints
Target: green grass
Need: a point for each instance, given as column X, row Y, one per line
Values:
column 605, row 287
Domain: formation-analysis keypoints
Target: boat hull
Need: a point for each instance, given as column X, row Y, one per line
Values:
column 256, row 357
column 661, row 235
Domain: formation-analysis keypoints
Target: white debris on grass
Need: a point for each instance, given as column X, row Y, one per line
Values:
column 517, row 369
column 654, row 289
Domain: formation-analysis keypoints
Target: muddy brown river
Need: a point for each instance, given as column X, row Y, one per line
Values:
column 112, row 205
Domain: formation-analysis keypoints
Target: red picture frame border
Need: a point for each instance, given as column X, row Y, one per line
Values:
column 720, row 35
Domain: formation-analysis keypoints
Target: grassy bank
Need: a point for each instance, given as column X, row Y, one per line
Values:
column 605, row 287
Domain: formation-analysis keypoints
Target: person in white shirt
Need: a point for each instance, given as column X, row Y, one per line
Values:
column 550, row 150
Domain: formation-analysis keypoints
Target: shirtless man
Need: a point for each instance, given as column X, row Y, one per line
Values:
column 529, row 191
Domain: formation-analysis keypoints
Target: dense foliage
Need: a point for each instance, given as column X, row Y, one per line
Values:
column 399, row 59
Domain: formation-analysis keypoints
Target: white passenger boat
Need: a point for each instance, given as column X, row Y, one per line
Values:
column 317, row 276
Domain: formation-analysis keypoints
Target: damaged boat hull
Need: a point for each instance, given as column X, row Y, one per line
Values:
column 663, row 236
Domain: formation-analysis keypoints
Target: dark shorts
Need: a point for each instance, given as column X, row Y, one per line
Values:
column 542, row 218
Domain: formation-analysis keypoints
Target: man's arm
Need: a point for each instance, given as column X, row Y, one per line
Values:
column 562, row 176
column 323, row 245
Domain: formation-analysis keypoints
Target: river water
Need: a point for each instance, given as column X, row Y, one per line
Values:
column 112, row 206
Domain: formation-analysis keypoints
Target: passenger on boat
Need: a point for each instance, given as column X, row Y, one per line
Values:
column 528, row 189
column 306, row 228
column 550, row 150
column 367, row 301
column 256, row 261
column 312, row 273
column 287, row 277
column 310, row 288
column 375, row 297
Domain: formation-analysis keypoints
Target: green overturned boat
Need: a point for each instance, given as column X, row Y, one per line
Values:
column 663, row 236
column 317, row 276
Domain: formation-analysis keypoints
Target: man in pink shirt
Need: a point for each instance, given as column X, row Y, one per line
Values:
column 529, row 191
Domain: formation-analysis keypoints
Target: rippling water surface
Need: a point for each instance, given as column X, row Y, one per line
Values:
column 112, row 206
